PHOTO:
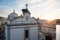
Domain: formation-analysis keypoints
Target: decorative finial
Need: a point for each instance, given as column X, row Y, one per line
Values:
column 26, row 6
column 13, row 10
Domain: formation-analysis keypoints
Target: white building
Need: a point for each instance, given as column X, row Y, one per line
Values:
column 22, row 27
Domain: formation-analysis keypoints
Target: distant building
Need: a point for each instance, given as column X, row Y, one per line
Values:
column 2, row 28
column 49, row 28
column 22, row 27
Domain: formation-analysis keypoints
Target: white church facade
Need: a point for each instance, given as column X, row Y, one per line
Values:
column 22, row 27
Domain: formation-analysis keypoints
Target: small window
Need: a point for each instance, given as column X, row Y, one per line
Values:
column 26, row 33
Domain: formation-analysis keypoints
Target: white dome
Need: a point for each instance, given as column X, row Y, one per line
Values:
column 12, row 15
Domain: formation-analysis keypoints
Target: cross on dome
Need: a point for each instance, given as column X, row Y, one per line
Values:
column 13, row 10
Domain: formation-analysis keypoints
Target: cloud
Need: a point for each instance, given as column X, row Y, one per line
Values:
column 47, row 9
column 4, row 11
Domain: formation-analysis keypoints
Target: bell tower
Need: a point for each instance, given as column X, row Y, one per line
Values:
column 26, row 12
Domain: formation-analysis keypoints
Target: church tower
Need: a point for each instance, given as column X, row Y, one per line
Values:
column 20, row 28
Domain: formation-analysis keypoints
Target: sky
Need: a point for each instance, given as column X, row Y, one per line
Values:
column 44, row 9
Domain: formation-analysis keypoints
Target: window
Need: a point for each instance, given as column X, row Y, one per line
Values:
column 0, row 29
column 26, row 33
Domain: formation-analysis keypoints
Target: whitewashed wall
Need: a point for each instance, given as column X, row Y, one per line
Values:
column 33, row 33
column 17, row 34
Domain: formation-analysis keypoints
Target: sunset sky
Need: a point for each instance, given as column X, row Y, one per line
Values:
column 44, row 9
